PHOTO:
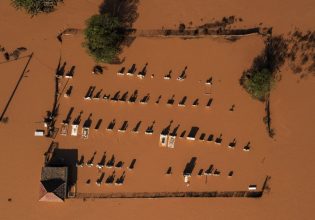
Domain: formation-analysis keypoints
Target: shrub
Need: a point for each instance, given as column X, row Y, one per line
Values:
column 181, row 28
column 259, row 79
column 103, row 37
column 34, row 7
column 259, row 83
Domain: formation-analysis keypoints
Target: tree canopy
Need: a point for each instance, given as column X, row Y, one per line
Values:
column 259, row 84
column 34, row 7
column 103, row 37
column 260, row 78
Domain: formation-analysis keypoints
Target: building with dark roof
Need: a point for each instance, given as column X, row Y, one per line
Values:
column 53, row 184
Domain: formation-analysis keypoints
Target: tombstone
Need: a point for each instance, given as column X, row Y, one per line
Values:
column 232, row 144
column 132, row 164
column 68, row 118
column 192, row 134
column 100, row 179
column 189, row 167
column 89, row 163
column 183, row 75
column 39, row 133
column 145, row 99
column 158, row 100
column 111, row 162
column 97, row 70
column 97, row 95
column 115, row 98
column 200, row 172
column 101, row 164
column 202, row 137
column 168, row 76
column 70, row 74
column 209, row 103
column 247, row 147
column 124, row 97
column 252, row 187
column 182, row 135
column 98, row 124
column 182, row 102
column 209, row 81
column 210, row 138
column 218, row 140
column 111, row 125
column 166, row 130
column 195, row 103
column 143, row 72
column 74, row 130
column 119, row 165
column 171, row 141
column 110, row 179
column 163, row 140
column 120, row 181
column 232, row 108
column 80, row 163
column 149, row 130
column 132, row 70
column 231, row 173
column 68, row 92
column 77, row 120
column 88, row 122
column 64, row 129
column 169, row 171
column 171, row 100
column 124, row 127
column 216, row 172
column 133, row 97
column 121, row 71
column 136, row 128
column 86, row 129
column 106, row 97
column 174, row 132
column 89, row 93
column 209, row 171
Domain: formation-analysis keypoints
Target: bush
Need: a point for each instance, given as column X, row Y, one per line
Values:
column 34, row 7
column 103, row 37
column 259, row 79
column 259, row 83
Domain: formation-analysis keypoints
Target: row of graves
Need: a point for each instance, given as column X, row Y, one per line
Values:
column 124, row 97
column 112, row 165
column 210, row 171
column 167, row 135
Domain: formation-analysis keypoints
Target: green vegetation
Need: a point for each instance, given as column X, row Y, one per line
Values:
column 34, row 7
column 103, row 37
column 259, row 83
column 260, row 78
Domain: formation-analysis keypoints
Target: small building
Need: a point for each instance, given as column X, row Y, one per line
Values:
column 192, row 134
column 53, row 184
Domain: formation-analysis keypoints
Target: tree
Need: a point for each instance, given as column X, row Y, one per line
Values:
column 259, row 83
column 34, row 7
column 103, row 37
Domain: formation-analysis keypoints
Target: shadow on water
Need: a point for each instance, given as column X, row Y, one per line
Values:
column 124, row 10
column 68, row 158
